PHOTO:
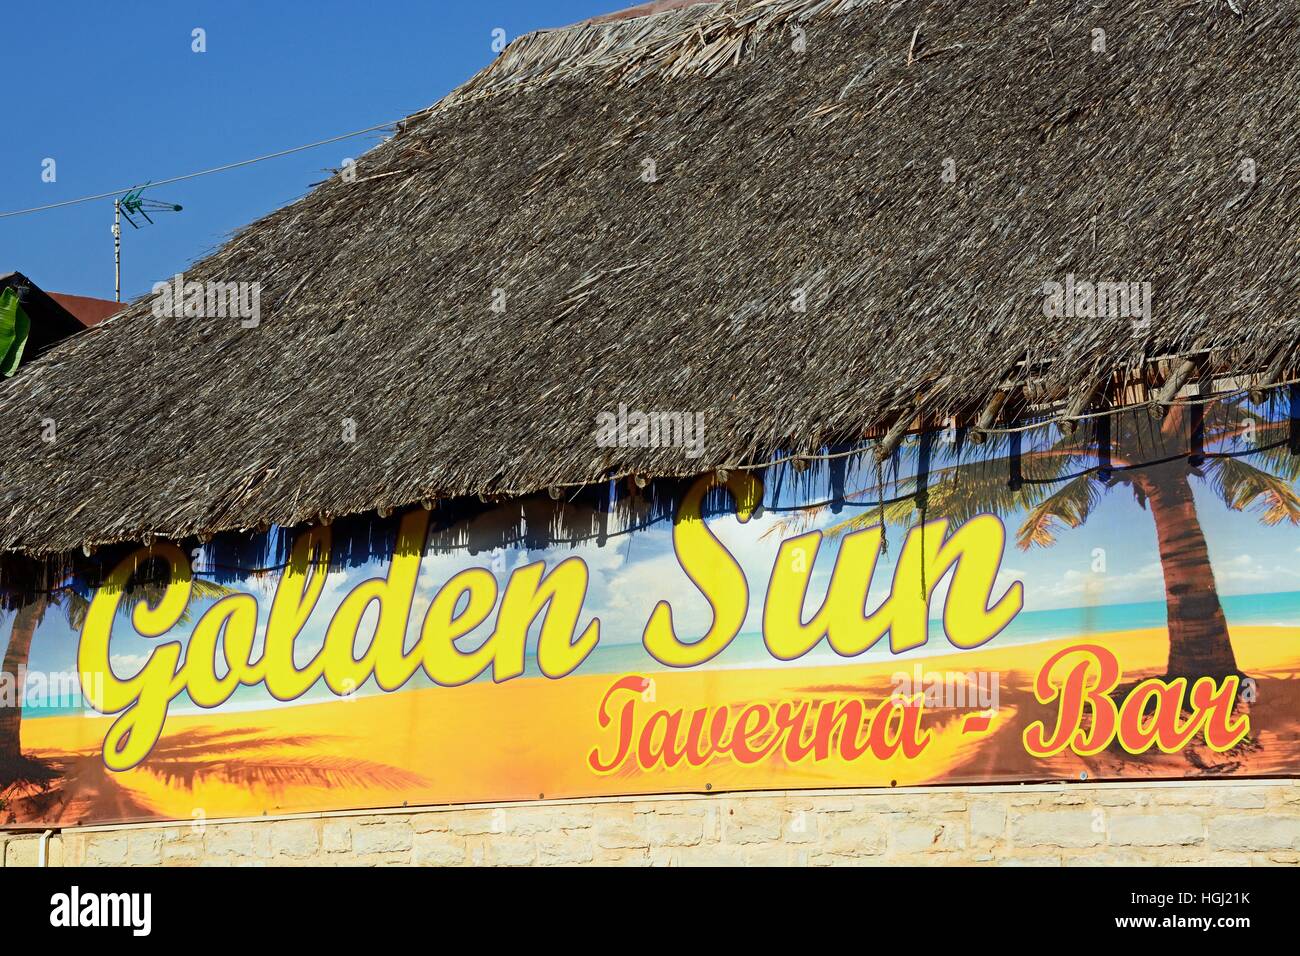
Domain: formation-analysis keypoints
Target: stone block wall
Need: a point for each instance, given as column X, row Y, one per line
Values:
column 1228, row 823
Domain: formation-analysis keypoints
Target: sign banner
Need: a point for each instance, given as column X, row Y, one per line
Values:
column 1121, row 600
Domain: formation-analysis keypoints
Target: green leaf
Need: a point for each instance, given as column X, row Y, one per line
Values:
column 14, row 328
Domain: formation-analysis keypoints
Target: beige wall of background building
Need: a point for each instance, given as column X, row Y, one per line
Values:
column 1238, row 823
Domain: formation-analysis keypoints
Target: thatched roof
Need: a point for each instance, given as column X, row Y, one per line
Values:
column 775, row 170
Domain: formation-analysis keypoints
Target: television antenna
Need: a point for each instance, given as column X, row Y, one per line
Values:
column 133, row 204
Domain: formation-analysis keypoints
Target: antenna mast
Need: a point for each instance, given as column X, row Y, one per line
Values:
column 132, row 202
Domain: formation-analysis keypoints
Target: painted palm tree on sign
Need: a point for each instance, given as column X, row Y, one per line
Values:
column 15, row 768
column 1059, row 491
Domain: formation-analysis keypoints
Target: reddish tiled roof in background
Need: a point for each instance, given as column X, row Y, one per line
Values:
column 84, row 309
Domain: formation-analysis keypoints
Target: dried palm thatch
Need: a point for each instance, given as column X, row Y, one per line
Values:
column 915, row 171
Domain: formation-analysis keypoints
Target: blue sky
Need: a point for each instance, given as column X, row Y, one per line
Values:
column 115, row 95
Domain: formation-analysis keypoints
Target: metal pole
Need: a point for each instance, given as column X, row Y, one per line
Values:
column 117, row 250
